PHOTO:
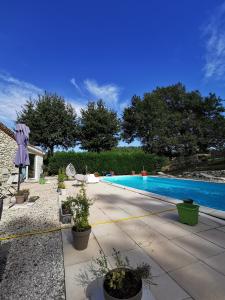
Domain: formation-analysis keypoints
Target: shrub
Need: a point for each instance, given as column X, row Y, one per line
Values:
column 62, row 175
column 80, row 208
column 121, row 162
column 61, row 185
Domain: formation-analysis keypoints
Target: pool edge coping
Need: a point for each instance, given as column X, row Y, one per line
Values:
column 216, row 213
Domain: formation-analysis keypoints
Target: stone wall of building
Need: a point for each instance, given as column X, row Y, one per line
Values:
column 8, row 147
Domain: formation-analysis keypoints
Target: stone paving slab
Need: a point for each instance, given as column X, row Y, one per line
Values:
column 170, row 230
column 201, row 281
column 168, row 289
column 198, row 246
column 215, row 236
column 120, row 242
column 217, row 262
column 169, row 256
column 75, row 288
column 140, row 232
column 222, row 228
column 105, row 229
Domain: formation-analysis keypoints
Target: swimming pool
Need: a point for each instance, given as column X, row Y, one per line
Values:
column 204, row 193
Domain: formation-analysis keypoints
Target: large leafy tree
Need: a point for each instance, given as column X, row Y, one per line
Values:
column 173, row 122
column 99, row 127
column 52, row 122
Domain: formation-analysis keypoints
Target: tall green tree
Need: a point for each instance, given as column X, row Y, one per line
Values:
column 99, row 127
column 173, row 122
column 52, row 122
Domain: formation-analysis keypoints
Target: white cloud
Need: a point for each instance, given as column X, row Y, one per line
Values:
column 76, row 104
column 74, row 83
column 91, row 90
column 214, row 33
column 108, row 92
column 14, row 93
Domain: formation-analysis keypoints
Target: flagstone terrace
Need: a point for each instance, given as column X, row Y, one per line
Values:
column 187, row 262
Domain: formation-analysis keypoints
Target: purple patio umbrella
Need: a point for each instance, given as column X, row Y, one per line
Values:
column 22, row 156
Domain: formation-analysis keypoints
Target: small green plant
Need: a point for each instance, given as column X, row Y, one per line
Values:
column 62, row 175
column 61, row 185
column 80, row 209
column 120, row 281
column 42, row 179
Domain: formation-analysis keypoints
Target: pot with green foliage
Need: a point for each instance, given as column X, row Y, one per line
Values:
column 81, row 230
column 20, row 198
column 123, row 281
column 66, row 212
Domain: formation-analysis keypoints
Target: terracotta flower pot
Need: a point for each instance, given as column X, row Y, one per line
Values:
column 136, row 296
column 144, row 173
column 26, row 195
column 20, row 199
column 81, row 238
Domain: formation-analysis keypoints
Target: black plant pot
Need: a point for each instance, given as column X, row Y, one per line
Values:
column 81, row 238
column 188, row 201
column 137, row 295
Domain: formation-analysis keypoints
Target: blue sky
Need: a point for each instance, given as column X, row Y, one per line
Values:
column 85, row 50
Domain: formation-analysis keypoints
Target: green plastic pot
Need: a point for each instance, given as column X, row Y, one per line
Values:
column 188, row 213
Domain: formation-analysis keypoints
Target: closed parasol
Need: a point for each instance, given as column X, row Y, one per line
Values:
column 22, row 156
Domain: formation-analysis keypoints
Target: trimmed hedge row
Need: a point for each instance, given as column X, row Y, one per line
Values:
column 119, row 162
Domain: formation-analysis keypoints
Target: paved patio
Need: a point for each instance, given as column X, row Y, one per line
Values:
column 187, row 262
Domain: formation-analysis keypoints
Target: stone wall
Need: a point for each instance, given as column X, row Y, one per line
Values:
column 8, row 147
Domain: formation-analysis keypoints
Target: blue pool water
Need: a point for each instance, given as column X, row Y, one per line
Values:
column 204, row 193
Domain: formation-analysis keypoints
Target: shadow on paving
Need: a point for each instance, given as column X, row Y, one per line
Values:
column 145, row 203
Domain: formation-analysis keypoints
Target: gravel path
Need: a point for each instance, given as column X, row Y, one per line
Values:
column 32, row 267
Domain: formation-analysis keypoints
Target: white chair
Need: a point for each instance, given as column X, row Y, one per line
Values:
column 91, row 178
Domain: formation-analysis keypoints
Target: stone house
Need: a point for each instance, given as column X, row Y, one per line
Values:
column 8, row 147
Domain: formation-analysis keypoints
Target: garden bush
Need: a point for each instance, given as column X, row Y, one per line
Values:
column 121, row 162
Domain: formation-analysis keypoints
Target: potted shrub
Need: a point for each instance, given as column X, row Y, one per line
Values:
column 66, row 212
column 80, row 209
column 20, row 198
column 26, row 193
column 188, row 212
column 123, row 281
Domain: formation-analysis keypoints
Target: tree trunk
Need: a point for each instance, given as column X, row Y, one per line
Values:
column 51, row 151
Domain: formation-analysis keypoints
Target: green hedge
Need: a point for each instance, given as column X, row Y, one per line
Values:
column 121, row 162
